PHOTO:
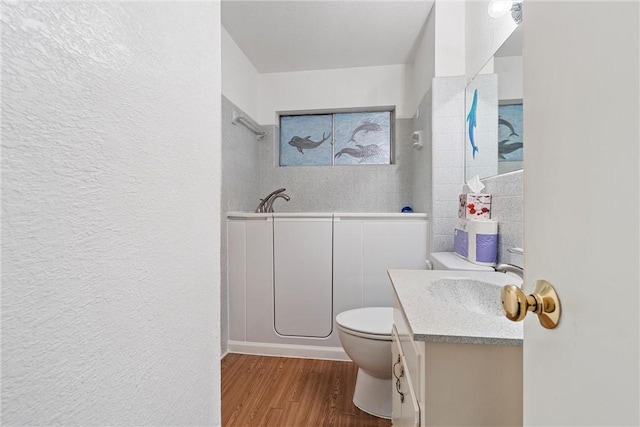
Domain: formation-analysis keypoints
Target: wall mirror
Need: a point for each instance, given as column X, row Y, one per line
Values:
column 493, row 112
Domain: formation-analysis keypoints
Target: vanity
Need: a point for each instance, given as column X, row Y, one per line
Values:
column 456, row 359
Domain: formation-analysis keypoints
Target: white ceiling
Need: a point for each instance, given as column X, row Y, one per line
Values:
column 298, row 35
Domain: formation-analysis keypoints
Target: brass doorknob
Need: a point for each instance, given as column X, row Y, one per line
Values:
column 544, row 302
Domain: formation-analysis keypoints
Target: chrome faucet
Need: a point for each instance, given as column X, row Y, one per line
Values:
column 266, row 204
column 269, row 204
column 504, row 268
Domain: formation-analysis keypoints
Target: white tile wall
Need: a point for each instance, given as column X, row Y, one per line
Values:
column 422, row 158
column 250, row 171
column 448, row 158
column 360, row 188
column 506, row 206
column 240, row 191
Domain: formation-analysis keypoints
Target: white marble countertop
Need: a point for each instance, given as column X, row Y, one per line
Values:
column 439, row 307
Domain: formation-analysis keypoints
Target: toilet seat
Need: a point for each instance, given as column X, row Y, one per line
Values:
column 369, row 322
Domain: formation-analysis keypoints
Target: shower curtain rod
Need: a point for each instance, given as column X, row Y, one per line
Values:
column 248, row 123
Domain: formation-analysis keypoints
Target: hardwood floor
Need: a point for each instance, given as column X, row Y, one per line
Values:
column 284, row 392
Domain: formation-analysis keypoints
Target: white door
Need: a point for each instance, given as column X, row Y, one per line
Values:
column 581, row 114
column 303, row 287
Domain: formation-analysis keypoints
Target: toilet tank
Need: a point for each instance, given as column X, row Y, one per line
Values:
column 451, row 261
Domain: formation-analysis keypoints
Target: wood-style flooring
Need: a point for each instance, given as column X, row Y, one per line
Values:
column 285, row 392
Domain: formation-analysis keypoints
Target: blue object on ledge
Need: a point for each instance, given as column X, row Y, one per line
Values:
column 407, row 209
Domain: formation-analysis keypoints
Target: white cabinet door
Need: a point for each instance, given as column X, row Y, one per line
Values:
column 303, row 288
column 405, row 410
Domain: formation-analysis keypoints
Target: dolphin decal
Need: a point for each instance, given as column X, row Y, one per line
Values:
column 367, row 127
column 471, row 118
column 504, row 147
column 506, row 123
column 362, row 152
column 306, row 143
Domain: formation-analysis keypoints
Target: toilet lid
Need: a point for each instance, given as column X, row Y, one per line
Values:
column 368, row 320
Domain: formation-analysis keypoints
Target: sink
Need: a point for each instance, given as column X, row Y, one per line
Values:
column 470, row 294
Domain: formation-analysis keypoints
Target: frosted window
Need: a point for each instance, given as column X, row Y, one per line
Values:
column 359, row 138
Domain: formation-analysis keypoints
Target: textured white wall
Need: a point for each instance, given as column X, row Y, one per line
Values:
column 110, row 213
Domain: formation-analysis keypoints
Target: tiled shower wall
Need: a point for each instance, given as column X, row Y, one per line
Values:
column 448, row 158
column 422, row 157
column 250, row 171
column 448, row 176
column 358, row 188
column 506, row 206
column 240, row 185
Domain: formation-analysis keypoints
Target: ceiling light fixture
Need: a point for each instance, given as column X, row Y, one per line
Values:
column 498, row 8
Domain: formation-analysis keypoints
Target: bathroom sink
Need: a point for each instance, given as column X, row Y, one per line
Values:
column 456, row 306
column 471, row 294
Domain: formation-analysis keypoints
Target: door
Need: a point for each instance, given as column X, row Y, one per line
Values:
column 303, row 282
column 581, row 221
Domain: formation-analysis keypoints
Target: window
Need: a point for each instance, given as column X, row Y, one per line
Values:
column 325, row 139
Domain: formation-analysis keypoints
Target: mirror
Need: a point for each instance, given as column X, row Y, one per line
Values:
column 493, row 113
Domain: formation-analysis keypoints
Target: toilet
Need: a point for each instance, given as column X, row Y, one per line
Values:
column 365, row 334
column 452, row 261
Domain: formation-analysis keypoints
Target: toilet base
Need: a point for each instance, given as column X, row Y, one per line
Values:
column 373, row 395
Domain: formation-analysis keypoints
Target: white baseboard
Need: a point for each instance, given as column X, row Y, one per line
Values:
column 288, row 350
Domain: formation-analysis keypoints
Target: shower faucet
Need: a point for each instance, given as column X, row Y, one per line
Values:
column 266, row 204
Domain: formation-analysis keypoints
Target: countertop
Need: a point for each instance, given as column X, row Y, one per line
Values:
column 435, row 315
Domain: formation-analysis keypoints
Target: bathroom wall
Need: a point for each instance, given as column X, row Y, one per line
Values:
column 509, row 71
column 483, row 34
column 450, row 37
column 424, row 63
column 485, row 162
column 358, row 188
column 240, row 191
column 110, row 206
column 240, row 79
column 337, row 88
column 448, row 158
column 506, row 206
column 423, row 157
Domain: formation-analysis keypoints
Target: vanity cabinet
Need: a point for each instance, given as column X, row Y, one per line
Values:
column 405, row 409
column 454, row 377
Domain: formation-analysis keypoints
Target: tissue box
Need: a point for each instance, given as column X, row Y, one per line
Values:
column 475, row 206
column 477, row 241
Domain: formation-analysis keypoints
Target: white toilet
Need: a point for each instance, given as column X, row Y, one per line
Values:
column 365, row 334
column 451, row 261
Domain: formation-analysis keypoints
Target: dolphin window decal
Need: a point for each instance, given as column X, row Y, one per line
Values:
column 331, row 139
